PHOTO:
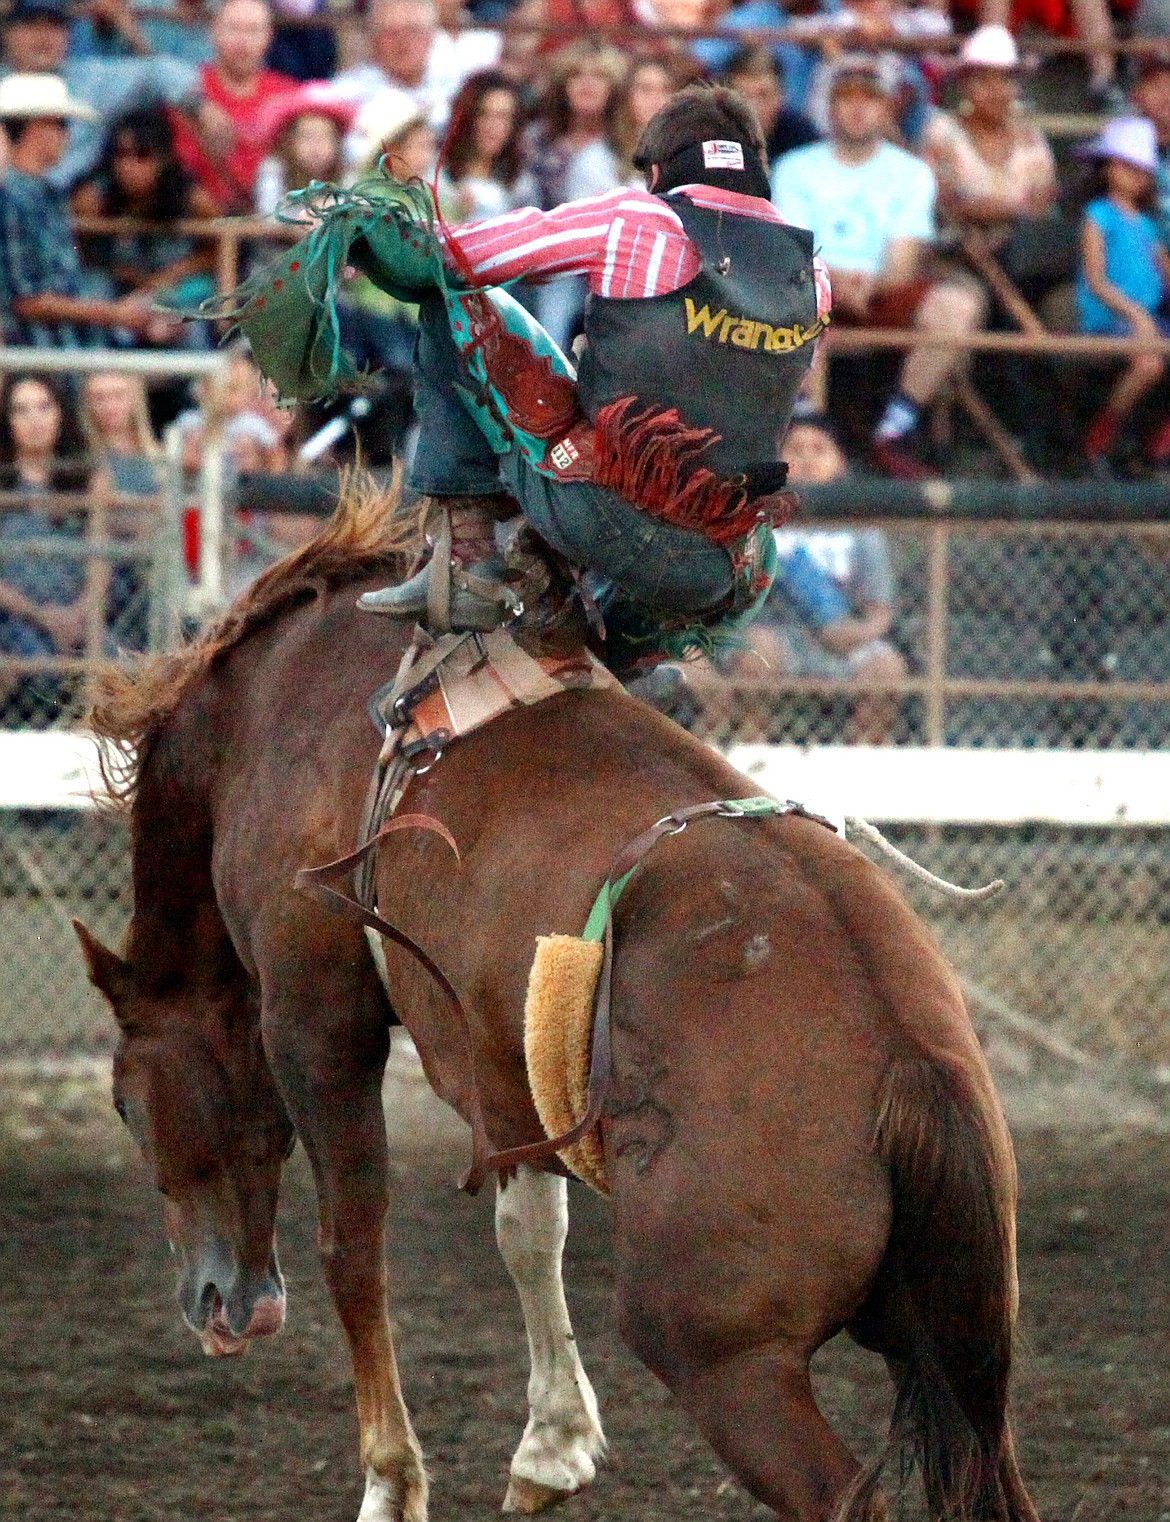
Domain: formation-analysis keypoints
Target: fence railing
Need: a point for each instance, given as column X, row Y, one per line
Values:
column 137, row 594
column 232, row 234
column 1048, row 634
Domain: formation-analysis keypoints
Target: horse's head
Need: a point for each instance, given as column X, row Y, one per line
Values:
column 192, row 1085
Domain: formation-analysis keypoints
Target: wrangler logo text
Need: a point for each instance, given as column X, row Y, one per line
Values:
column 744, row 332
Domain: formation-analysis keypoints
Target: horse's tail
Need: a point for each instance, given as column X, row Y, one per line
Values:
column 943, row 1307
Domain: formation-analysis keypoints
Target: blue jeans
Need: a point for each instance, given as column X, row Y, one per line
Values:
column 673, row 570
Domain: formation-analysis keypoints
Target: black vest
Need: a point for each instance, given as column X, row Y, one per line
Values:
column 729, row 349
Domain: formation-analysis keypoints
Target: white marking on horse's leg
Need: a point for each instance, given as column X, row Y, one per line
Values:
column 386, row 1500
column 563, row 1438
column 378, row 952
column 396, row 1479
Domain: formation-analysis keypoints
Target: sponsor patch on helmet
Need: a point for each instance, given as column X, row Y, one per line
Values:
column 718, row 154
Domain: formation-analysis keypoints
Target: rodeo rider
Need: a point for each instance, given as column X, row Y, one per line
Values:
column 699, row 328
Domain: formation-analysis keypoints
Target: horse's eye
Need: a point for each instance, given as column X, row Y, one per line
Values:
column 164, row 1191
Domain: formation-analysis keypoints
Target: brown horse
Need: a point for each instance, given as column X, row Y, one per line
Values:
column 802, row 1135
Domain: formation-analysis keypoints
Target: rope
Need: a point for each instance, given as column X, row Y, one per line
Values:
column 875, row 837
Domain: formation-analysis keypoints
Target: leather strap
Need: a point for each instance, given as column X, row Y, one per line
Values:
column 601, row 1055
column 317, row 883
column 439, row 578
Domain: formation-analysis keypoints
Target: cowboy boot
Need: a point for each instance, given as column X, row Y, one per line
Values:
column 462, row 585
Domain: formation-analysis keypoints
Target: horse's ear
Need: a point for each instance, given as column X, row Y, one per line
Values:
column 107, row 971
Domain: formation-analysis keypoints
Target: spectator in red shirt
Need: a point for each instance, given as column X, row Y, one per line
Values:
column 224, row 151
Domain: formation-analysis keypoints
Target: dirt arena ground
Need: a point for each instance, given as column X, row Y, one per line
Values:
column 108, row 1410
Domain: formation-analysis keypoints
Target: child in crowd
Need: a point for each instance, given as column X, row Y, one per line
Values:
column 114, row 414
column 1125, row 273
column 390, row 139
column 391, row 128
column 305, row 130
column 827, row 617
column 832, row 606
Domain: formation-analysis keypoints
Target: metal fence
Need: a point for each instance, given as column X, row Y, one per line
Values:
column 1068, row 966
column 1047, row 635
column 1050, row 635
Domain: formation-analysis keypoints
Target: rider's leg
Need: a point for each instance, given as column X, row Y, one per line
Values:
column 652, row 562
column 454, row 465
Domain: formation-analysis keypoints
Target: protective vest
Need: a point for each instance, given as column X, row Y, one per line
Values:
column 729, row 349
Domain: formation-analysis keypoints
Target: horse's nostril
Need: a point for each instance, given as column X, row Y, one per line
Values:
column 210, row 1304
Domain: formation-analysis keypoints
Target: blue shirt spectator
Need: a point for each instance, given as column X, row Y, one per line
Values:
column 120, row 32
column 36, row 41
column 857, row 208
column 1131, row 264
column 797, row 65
column 43, row 296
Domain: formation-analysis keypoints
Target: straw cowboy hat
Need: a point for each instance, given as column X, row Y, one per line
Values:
column 1132, row 139
column 27, row 97
column 989, row 47
column 380, row 123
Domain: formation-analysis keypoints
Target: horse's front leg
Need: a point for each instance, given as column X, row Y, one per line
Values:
column 335, row 1100
column 558, row 1452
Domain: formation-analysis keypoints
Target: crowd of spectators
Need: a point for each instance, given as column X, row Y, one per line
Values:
column 909, row 152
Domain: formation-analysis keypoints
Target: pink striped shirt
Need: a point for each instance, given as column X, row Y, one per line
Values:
column 628, row 243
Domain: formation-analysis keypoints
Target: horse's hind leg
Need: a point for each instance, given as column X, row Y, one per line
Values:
column 563, row 1438
column 756, row 1409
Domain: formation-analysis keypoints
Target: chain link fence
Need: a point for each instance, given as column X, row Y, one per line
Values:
column 1053, row 635
column 1044, row 636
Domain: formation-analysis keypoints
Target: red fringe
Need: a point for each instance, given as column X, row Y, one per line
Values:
column 651, row 459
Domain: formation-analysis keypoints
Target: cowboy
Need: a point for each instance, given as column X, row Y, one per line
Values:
column 703, row 308
column 44, row 296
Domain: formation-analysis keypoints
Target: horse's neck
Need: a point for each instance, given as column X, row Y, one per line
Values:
column 176, row 932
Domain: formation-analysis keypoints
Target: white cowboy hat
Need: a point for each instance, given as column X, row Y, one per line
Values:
column 383, row 117
column 1132, row 139
column 29, row 96
column 989, row 47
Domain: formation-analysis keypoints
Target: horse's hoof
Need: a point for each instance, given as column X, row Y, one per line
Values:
column 530, row 1496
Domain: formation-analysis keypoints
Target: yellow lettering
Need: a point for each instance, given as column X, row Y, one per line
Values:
column 701, row 317
column 745, row 332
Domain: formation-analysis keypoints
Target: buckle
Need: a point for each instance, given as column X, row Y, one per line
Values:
column 403, row 707
column 431, row 745
column 752, row 808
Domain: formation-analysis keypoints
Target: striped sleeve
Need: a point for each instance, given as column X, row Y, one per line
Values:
column 591, row 237
column 628, row 243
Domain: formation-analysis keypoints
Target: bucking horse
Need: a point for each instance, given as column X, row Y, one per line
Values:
column 800, row 1132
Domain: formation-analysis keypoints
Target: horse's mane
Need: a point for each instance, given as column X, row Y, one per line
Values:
column 132, row 703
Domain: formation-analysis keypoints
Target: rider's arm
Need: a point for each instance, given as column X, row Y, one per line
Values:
column 573, row 239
